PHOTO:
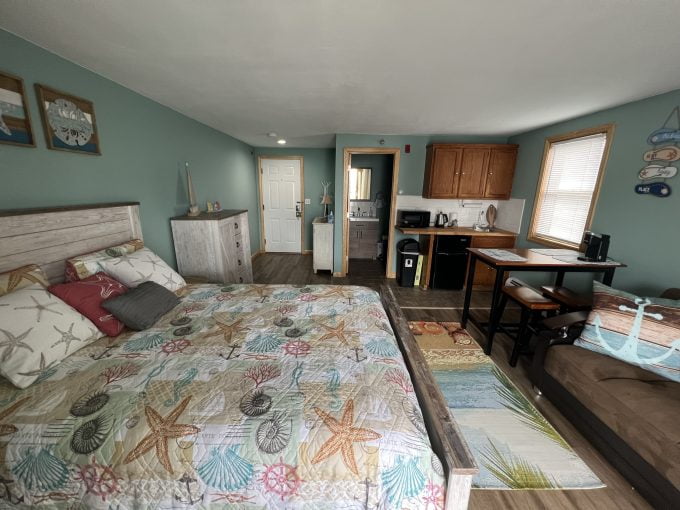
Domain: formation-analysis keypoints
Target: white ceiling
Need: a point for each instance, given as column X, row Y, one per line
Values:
column 310, row 68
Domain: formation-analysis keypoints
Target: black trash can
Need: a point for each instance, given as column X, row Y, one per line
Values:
column 407, row 261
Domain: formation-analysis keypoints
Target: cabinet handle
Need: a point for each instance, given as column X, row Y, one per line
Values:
column 462, row 173
column 235, row 225
column 239, row 262
column 238, row 245
column 240, row 279
column 490, row 173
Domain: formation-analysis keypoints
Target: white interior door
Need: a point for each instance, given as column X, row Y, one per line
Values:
column 282, row 205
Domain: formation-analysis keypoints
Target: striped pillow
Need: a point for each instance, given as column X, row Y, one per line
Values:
column 22, row 277
column 89, row 264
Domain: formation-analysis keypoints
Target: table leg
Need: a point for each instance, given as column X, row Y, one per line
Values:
column 495, row 298
column 468, row 290
column 559, row 279
column 608, row 277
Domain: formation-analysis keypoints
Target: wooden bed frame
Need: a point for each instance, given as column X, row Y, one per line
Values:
column 49, row 236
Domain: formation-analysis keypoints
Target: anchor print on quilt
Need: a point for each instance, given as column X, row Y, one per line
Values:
column 640, row 331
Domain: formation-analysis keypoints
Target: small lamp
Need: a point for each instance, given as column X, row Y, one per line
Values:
column 326, row 200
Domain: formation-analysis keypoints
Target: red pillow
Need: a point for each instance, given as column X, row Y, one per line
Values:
column 86, row 296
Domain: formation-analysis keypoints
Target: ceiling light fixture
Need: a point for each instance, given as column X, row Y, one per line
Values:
column 281, row 141
column 272, row 134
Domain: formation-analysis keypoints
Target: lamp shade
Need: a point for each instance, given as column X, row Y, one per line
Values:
column 326, row 199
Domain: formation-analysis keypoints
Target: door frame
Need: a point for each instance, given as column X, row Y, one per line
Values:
column 260, row 196
column 347, row 153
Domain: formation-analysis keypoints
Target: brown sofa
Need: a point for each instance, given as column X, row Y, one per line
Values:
column 631, row 415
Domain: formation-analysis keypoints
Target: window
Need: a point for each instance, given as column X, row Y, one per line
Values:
column 571, row 174
column 359, row 183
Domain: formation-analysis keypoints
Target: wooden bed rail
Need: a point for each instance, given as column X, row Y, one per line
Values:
column 446, row 438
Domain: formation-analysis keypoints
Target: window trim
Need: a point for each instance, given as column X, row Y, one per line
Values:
column 608, row 130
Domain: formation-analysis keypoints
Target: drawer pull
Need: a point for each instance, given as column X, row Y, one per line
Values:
column 239, row 262
column 240, row 279
column 235, row 225
column 238, row 245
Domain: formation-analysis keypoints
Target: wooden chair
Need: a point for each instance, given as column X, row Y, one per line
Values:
column 532, row 305
column 569, row 300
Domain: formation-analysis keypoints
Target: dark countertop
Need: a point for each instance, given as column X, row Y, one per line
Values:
column 219, row 215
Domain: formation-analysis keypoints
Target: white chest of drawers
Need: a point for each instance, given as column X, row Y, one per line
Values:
column 214, row 246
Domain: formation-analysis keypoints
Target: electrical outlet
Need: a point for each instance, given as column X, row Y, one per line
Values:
column 308, row 201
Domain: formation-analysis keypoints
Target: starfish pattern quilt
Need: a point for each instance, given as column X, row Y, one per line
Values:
column 243, row 396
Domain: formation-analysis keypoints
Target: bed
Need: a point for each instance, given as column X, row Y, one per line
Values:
column 243, row 396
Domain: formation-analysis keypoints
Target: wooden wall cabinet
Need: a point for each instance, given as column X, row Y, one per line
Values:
column 469, row 171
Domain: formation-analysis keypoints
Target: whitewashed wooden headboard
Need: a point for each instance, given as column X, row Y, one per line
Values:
column 49, row 236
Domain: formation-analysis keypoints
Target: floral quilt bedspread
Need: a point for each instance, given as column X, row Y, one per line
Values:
column 244, row 396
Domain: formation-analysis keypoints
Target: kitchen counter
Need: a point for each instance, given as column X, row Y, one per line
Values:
column 454, row 231
column 363, row 218
column 496, row 239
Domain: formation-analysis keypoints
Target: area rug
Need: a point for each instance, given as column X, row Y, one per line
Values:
column 514, row 445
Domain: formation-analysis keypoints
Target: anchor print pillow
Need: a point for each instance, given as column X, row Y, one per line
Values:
column 87, row 295
column 142, row 266
column 37, row 331
column 640, row 331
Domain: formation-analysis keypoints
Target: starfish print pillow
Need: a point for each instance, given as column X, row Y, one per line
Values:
column 21, row 277
column 143, row 266
column 37, row 331
column 640, row 331
column 88, row 264
column 87, row 295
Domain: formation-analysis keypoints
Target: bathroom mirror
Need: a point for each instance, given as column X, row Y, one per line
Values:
column 359, row 183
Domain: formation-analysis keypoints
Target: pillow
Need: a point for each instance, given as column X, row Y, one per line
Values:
column 640, row 331
column 38, row 330
column 143, row 266
column 88, row 264
column 142, row 306
column 21, row 277
column 86, row 296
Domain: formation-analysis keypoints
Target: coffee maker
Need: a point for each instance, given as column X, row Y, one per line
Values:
column 595, row 247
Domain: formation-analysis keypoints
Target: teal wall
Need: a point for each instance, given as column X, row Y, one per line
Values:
column 411, row 168
column 144, row 146
column 319, row 166
column 644, row 229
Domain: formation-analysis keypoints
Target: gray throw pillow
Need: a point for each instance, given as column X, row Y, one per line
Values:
column 141, row 307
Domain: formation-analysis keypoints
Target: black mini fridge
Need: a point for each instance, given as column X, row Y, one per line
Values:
column 449, row 262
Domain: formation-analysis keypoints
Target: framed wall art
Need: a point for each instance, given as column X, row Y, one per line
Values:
column 69, row 121
column 15, row 119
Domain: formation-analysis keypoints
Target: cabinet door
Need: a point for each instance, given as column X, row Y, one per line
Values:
column 443, row 177
column 473, row 169
column 485, row 276
column 501, row 172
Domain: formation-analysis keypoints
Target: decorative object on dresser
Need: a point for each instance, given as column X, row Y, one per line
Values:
column 15, row 119
column 69, row 121
column 193, row 208
column 323, row 244
column 214, row 246
column 469, row 170
column 326, row 199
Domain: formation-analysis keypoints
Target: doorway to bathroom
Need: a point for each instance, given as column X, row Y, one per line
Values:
column 371, row 176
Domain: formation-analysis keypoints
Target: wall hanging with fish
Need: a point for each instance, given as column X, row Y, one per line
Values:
column 661, row 158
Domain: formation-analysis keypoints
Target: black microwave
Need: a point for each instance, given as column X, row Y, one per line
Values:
column 413, row 219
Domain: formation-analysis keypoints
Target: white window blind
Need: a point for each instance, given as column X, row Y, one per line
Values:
column 570, row 176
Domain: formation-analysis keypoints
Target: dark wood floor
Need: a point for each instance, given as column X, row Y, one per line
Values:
column 440, row 305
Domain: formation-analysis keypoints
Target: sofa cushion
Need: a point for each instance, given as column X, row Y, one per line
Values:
column 639, row 406
column 641, row 331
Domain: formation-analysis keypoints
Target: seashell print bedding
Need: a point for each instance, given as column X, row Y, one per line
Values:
column 244, row 396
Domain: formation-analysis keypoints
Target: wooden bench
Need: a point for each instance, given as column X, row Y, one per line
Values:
column 532, row 305
column 569, row 300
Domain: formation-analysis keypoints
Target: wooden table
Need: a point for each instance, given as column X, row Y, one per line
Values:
column 535, row 262
column 428, row 235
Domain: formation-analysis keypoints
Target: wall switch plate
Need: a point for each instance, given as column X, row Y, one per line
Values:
column 308, row 201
